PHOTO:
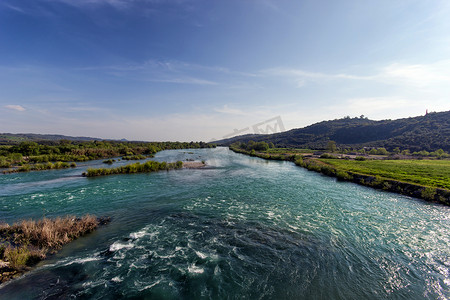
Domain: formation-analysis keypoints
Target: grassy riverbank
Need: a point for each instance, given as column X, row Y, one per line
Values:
column 147, row 167
column 34, row 156
column 425, row 179
column 25, row 243
column 431, row 173
column 41, row 167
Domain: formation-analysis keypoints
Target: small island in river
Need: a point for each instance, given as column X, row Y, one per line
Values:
column 25, row 243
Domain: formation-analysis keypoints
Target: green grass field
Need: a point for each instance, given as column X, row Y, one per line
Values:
column 434, row 173
column 287, row 151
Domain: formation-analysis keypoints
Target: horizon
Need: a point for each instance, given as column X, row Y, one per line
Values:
column 146, row 70
column 271, row 126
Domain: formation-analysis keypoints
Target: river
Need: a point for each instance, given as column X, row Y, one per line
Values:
column 241, row 228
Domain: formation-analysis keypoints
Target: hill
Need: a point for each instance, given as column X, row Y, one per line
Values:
column 16, row 138
column 430, row 132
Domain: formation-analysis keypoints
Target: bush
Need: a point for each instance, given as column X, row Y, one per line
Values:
column 327, row 170
column 299, row 161
column 26, row 243
column 382, row 151
column 386, row 186
column 342, row 175
column 377, row 182
column 428, row 193
column 147, row 167
column 17, row 257
column 20, row 257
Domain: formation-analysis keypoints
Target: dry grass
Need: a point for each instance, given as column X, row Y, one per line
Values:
column 53, row 233
column 25, row 243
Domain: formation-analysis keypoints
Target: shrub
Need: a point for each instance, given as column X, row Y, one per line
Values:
column 428, row 193
column 327, row 170
column 378, row 181
column 179, row 164
column 386, row 186
column 20, row 257
column 299, row 161
column 17, row 257
column 382, row 151
column 26, row 243
column 147, row 167
column 342, row 175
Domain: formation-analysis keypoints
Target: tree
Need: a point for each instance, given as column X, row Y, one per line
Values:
column 27, row 148
column 382, row 151
column 373, row 151
column 261, row 146
column 331, row 146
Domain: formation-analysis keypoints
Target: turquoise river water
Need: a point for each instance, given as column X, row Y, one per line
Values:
column 242, row 228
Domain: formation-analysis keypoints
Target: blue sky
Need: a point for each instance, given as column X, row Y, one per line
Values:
column 199, row 69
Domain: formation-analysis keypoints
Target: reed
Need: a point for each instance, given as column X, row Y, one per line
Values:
column 25, row 243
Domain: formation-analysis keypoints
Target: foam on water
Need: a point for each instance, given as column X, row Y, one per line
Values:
column 244, row 229
column 118, row 246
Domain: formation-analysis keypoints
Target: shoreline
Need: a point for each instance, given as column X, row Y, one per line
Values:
column 430, row 194
column 27, row 242
column 193, row 164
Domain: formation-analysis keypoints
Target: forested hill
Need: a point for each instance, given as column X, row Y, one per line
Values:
column 430, row 132
column 15, row 138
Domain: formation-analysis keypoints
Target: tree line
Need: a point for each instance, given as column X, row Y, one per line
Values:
column 30, row 152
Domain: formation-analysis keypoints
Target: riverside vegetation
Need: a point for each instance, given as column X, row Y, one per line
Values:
column 24, row 244
column 44, row 155
column 147, row 167
column 425, row 177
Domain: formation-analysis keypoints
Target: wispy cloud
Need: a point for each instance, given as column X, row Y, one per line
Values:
column 184, row 80
column 13, row 7
column 15, row 107
column 268, row 4
column 228, row 110
column 143, row 5
column 119, row 4
column 172, row 71
column 418, row 74
column 300, row 74
column 83, row 109
column 414, row 75
column 375, row 104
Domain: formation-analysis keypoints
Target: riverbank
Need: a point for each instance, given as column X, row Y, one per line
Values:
column 222, row 231
column 432, row 192
column 194, row 164
column 25, row 243
column 147, row 167
column 32, row 156
column 40, row 167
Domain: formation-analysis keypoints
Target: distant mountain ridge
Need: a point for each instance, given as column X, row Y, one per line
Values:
column 12, row 138
column 430, row 132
